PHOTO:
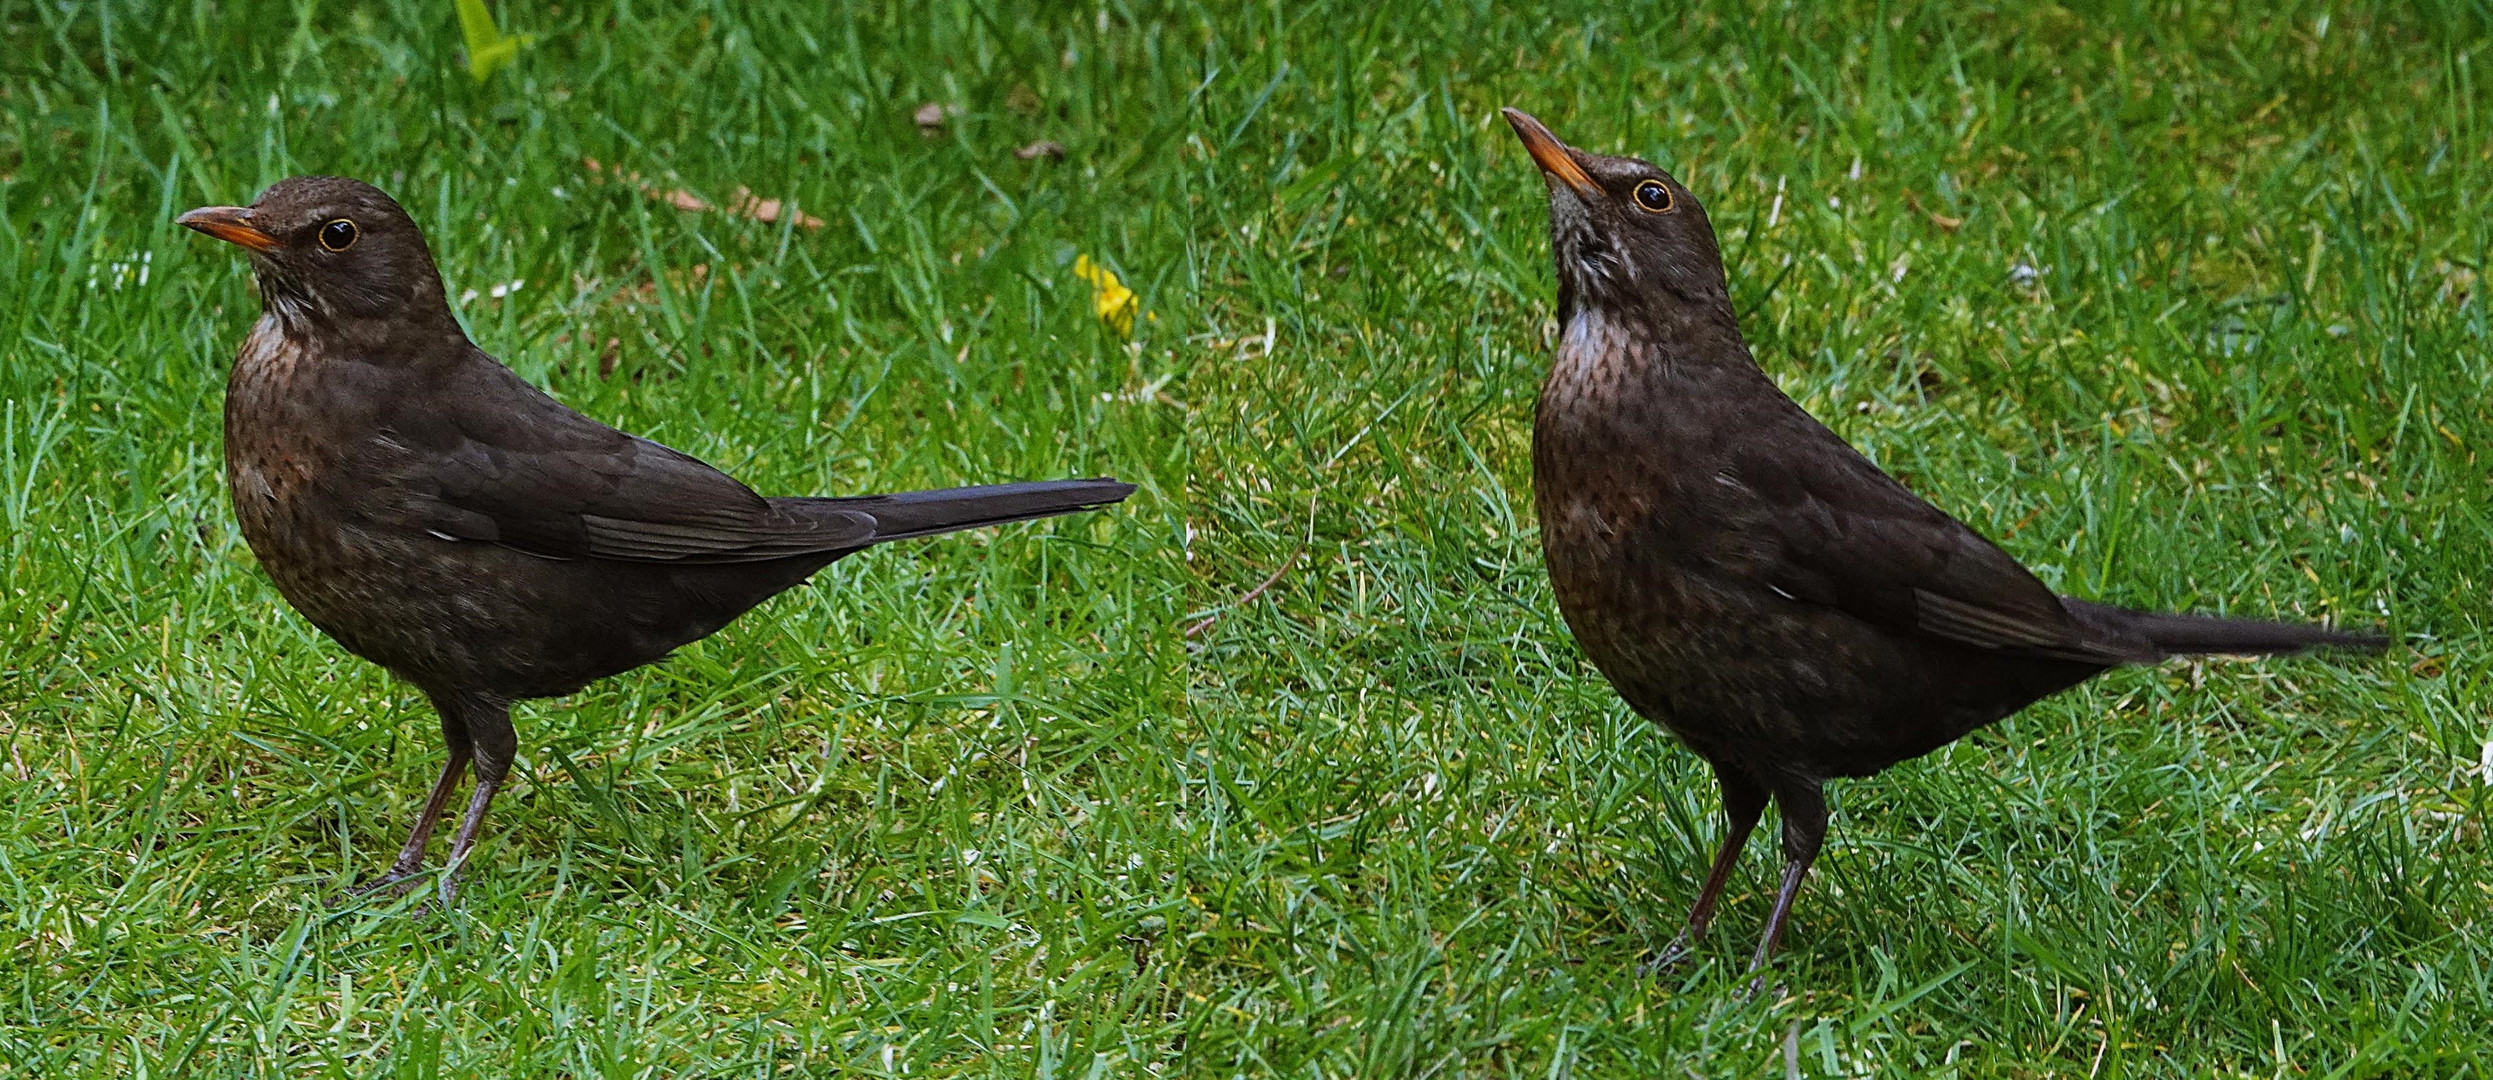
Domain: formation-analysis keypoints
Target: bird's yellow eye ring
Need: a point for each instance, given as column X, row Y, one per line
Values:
column 338, row 235
column 1654, row 197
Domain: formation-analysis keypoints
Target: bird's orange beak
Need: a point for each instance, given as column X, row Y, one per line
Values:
column 1550, row 154
column 231, row 224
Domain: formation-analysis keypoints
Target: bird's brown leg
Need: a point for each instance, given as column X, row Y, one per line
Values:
column 1743, row 801
column 494, row 745
column 1804, row 830
column 410, row 860
column 411, row 854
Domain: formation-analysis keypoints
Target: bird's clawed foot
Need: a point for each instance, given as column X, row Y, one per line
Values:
column 446, row 890
column 399, row 881
column 1671, row 956
column 1762, row 984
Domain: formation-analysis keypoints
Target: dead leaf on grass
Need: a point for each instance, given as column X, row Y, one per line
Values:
column 745, row 202
column 1945, row 223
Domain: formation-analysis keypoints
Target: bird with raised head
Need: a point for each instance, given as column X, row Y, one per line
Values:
column 1746, row 579
column 439, row 516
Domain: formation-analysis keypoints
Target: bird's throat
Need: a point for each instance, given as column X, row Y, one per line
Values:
column 1596, row 362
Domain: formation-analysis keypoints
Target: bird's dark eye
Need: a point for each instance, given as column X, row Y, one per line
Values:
column 1654, row 196
column 338, row 235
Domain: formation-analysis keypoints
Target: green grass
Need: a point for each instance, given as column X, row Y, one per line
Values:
column 2187, row 306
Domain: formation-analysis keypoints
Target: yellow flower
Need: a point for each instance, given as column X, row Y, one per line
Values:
column 1110, row 299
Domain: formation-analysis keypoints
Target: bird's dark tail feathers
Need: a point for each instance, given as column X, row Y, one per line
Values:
column 2183, row 635
column 929, row 513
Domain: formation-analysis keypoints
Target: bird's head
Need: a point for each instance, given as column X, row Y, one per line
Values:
column 331, row 249
column 1626, row 236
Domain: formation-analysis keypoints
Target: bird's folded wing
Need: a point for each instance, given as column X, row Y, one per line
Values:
column 543, row 479
column 1844, row 534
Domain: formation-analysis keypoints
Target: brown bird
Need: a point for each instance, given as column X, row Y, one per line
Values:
column 441, row 517
column 1746, row 579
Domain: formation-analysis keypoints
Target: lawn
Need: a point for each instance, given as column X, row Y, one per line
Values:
column 1287, row 766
